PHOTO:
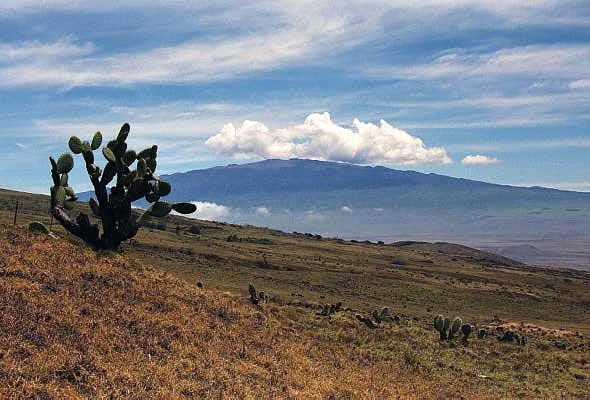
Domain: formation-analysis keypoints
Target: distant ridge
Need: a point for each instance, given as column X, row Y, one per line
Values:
column 379, row 203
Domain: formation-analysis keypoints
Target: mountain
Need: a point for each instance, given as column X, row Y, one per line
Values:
column 378, row 203
column 272, row 180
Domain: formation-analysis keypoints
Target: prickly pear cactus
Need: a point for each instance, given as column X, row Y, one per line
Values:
column 367, row 321
column 466, row 330
column 37, row 226
column 455, row 327
column 254, row 297
column 439, row 325
column 112, row 206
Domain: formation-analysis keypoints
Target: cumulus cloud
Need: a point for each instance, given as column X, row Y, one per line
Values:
column 346, row 209
column 210, row 211
column 321, row 139
column 479, row 159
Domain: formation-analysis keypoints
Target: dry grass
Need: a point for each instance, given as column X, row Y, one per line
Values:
column 77, row 324
column 81, row 325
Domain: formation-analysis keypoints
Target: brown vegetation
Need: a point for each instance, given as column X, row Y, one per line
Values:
column 77, row 324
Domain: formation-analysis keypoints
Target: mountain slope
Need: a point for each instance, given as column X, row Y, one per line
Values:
column 378, row 203
column 287, row 177
column 81, row 325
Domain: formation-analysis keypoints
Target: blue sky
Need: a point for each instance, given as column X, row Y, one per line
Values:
column 496, row 91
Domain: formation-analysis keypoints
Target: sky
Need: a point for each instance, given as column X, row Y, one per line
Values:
column 494, row 91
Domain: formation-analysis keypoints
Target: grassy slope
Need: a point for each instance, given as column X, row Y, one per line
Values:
column 417, row 280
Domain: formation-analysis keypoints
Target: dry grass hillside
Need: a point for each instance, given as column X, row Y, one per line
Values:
column 133, row 324
column 81, row 325
column 76, row 324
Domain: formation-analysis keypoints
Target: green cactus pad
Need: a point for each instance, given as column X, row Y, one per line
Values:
column 59, row 194
column 456, row 325
column 141, row 167
column 64, row 180
column 439, row 323
column 160, row 209
column 123, row 133
column 70, row 192
column 69, row 204
column 96, row 141
column 466, row 330
column 65, row 163
column 37, row 226
column 163, row 188
column 110, row 170
column 184, row 208
column 129, row 157
column 152, row 197
column 108, row 154
column 75, row 145
column 151, row 163
column 86, row 147
column 145, row 153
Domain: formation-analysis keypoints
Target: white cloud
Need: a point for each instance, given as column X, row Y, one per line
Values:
column 266, row 37
column 210, row 211
column 35, row 49
column 262, row 211
column 541, row 61
column 346, row 209
column 580, row 84
column 320, row 138
column 479, row 159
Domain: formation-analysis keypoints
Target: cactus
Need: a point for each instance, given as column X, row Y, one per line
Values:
column 255, row 297
column 37, row 226
column 439, row 325
column 482, row 333
column 367, row 321
column 511, row 337
column 376, row 318
column 112, row 206
column 448, row 331
column 455, row 328
column 466, row 330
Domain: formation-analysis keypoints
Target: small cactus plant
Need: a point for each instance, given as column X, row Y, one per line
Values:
column 448, row 330
column 113, row 207
column 482, row 333
column 455, row 328
column 376, row 318
column 255, row 296
column 442, row 325
column 367, row 321
column 37, row 226
column 466, row 330
column 513, row 337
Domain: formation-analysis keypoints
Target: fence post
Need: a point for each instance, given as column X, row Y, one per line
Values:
column 15, row 213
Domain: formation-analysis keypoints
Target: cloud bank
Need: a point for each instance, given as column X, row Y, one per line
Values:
column 210, row 211
column 479, row 159
column 321, row 139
